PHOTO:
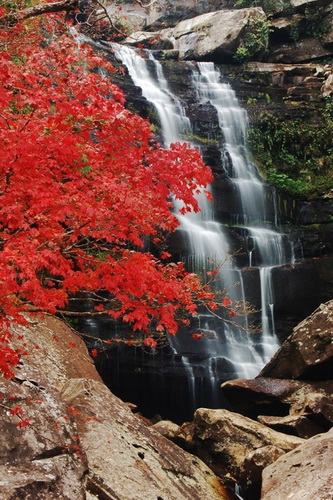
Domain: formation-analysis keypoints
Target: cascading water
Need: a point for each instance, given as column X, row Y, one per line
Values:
column 269, row 247
column 174, row 122
column 225, row 349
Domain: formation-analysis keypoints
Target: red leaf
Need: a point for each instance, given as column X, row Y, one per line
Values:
column 23, row 423
column 17, row 410
column 99, row 307
column 150, row 342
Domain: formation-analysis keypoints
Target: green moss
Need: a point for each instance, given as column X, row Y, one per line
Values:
column 296, row 155
column 199, row 139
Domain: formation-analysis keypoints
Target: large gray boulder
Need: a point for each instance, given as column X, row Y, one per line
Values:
column 165, row 13
column 308, row 353
column 65, row 436
column 215, row 35
column 305, row 473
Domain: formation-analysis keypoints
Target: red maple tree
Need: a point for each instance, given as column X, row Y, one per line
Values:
column 82, row 186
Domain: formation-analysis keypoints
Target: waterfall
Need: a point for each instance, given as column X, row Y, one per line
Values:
column 225, row 350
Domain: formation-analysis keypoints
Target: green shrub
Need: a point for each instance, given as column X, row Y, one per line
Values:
column 255, row 40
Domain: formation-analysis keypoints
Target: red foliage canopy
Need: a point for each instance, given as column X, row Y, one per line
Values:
column 82, row 185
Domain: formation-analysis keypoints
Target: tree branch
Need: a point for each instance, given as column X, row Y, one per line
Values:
column 14, row 17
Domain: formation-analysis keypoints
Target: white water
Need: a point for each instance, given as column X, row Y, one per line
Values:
column 174, row 122
column 269, row 247
column 223, row 344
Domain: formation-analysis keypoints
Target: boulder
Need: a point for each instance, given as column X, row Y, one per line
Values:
column 41, row 455
column 169, row 12
column 228, row 439
column 66, row 436
column 308, row 353
column 278, row 397
column 54, row 353
column 128, row 460
column 182, row 435
column 308, row 49
column 166, row 428
column 297, row 425
column 213, row 36
column 254, row 463
column 305, row 473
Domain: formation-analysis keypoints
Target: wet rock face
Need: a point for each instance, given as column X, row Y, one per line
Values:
column 316, row 212
column 308, row 353
column 305, row 472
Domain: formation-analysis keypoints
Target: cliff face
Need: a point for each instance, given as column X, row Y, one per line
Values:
column 278, row 57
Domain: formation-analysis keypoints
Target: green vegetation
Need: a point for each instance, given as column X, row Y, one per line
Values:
column 255, row 40
column 254, row 100
column 283, row 181
column 296, row 155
